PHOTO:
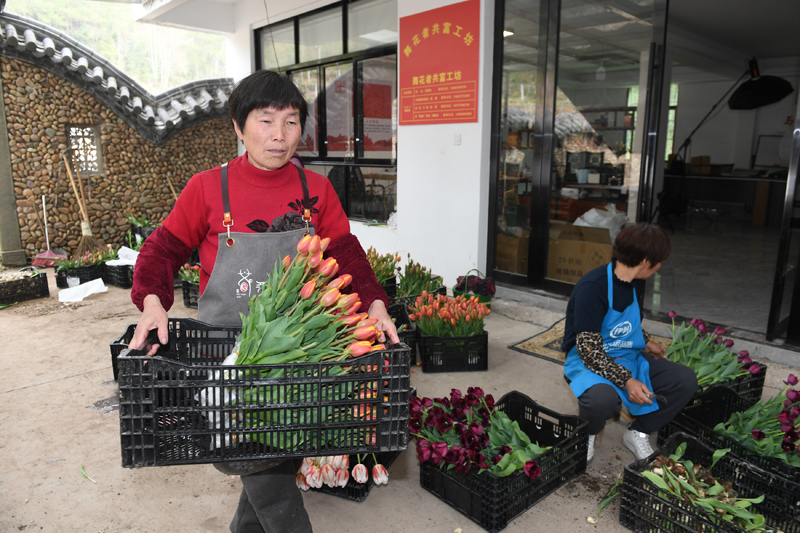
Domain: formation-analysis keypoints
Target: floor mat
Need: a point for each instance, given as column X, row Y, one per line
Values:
column 547, row 344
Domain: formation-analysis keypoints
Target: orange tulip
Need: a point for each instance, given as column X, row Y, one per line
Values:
column 286, row 262
column 352, row 309
column 328, row 267
column 302, row 246
column 359, row 348
column 308, row 290
column 315, row 259
column 329, row 298
column 313, row 245
column 368, row 322
column 323, row 244
column 347, row 301
column 366, row 333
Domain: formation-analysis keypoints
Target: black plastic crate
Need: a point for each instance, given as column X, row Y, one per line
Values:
column 493, row 502
column 164, row 419
column 119, row 276
column 408, row 336
column 122, row 344
column 83, row 273
column 712, row 407
column 455, row 354
column 142, row 231
column 191, row 293
column 750, row 386
column 28, row 288
column 645, row 507
column 390, row 287
column 410, row 300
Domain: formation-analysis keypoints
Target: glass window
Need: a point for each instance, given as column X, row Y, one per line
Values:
column 277, row 46
column 368, row 193
column 308, row 82
column 371, row 23
column 339, row 110
column 378, row 113
column 321, row 35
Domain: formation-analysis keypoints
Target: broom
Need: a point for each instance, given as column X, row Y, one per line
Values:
column 48, row 258
column 87, row 242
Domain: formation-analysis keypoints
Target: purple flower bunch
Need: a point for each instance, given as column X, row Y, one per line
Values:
column 770, row 429
column 748, row 364
column 467, row 431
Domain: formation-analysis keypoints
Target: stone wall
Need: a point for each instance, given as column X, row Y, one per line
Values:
column 39, row 107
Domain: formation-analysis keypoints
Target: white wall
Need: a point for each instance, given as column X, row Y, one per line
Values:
column 443, row 189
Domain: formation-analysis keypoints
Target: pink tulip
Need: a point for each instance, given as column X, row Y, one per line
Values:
column 380, row 475
column 347, row 279
column 366, row 333
column 328, row 267
column 313, row 245
column 360, row 474
column 314, row 477
column 286, row 262
column 719, row 331
column 347, row 300
column 323, row 244
column 328, row 475
column 672, row 314
column 337, row 283
column 308, row 462
column 359, row 348
column 353, row 308
column 352, row 320
column 302, row 246
column 300, row 479
column 368, row 322
column 315, row 260
column 342, row 477
column 329, row 298
column 308, row 290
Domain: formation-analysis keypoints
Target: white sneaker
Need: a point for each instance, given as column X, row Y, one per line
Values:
column 637, row 443
column 590, row 450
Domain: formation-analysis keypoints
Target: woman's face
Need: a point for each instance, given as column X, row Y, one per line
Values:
column 270, row 136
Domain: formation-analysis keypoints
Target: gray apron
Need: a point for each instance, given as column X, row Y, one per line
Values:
column 243, row 263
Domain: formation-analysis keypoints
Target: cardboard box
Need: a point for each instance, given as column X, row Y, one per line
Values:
column 700, row 170
column 512, row 253
column 575, row 250
column 701, row 160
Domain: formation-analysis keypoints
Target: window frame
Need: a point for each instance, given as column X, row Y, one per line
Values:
column 98, row 147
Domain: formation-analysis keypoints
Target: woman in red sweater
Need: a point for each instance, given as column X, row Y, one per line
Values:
column 243, row 217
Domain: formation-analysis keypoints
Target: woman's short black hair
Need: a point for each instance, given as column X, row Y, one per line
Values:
column 263, row 89
column 642, row 241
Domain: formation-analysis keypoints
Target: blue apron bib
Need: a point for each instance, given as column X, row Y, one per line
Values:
column 622, row 340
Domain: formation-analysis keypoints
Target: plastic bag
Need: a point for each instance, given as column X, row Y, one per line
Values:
column 609, row 218
column 77, row 294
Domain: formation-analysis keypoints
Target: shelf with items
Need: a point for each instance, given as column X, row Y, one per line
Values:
column 609, row 117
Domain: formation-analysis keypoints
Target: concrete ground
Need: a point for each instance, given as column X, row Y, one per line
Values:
column 58, row 415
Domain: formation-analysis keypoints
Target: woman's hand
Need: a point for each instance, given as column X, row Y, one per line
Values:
column 637, row 391
column 659, row 351
column 384, row 324
column 153, row 316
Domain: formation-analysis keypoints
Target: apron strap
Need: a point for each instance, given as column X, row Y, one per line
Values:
column 306, row 202
column 227, row 221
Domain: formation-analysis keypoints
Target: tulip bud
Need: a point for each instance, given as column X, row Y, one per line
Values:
column 328, row 475
column 366, row 333
column 380, row 475
column 342, row 477
column 328, row 267
column 300, row 479
column 347, row 278
column 315, row 260
column 368, row 322
column 329, row 298
column 305, row 467
column 302, row 246
column 313, row 245
column 359, row 348
column 377, row 348
column 347, row 301
column 314, row 477
column 350, row 320
column 360, row 474
column 308, row 290
column 337, row 283
column 352, row 309
column 286, row 262
column 323, row 244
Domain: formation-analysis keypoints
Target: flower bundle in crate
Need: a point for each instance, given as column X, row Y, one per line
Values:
column 491, row 461
column 481, row 287
column 90, row 266
column 141, row 227
column 450, row 333
column 190, row 284
column 385, row 269
column 26, row 283
column 708, row 354
column 693, row 487
column 414, row 280
column 305, row 379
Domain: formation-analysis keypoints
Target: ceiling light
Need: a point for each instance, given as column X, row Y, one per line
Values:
column 507, row 32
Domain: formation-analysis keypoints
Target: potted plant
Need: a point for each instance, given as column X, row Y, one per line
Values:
column 491, row 461
column 141, row 227
column 450, row 333
column 73, row 272
column 414, row 279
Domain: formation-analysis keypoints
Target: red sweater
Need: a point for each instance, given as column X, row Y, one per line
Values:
column 257, row 197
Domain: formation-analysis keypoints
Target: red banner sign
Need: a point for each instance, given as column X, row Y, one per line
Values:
column 439, row 65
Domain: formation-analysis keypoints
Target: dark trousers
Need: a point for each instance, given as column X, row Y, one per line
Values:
column 271, row 502
column 677, row 383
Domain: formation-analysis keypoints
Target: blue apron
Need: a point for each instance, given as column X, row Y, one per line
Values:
column 622, row 340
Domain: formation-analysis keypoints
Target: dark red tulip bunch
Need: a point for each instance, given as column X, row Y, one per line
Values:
column 467, row 431
column 444, row 316
column 769, row 429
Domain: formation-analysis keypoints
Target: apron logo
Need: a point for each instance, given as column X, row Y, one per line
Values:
column 620, row 330
column 245, row 283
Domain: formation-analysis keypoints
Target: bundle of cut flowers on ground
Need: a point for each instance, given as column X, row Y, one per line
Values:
column 440, row 315
column 415, row 278
column 463, row 432
column 707, row 353
column 384, row 265
column 300, row 316
column 97, row 256
column 333, row 471
column 696, row 485
column 769, row 429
